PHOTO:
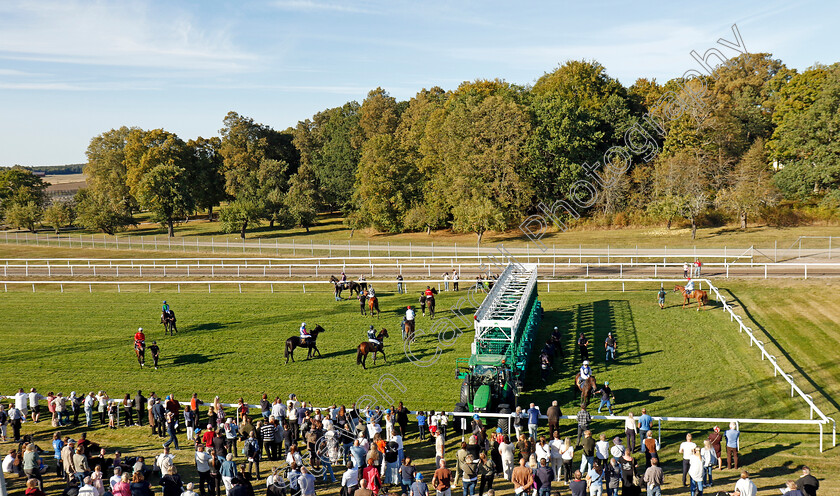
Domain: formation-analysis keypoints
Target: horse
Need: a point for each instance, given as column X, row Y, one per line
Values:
column 341, row 286
column 427, row 301
column 373, row 304
column 587, row 389
column 367, row 347
column 140, row 351
column 702, row 297
column 168, row 320
column 311, row 343
column 408, row 333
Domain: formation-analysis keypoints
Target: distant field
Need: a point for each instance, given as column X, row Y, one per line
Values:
column 65, row 182
column 674, row 362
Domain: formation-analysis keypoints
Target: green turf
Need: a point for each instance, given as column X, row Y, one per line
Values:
column 676, row 362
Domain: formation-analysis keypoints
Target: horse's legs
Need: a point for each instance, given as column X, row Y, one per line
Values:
column 383, row 354
column 317, row 351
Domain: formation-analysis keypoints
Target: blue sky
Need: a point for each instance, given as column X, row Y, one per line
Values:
column 71, row 69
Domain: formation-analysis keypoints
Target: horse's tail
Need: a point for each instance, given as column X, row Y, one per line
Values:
column 704, row 297
column 287, row 352
column 359, row 355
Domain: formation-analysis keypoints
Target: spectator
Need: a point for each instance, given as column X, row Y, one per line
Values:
column 807, row 483
column 32, row 463
column 630, row 430
column 487, row 470
column 733, row 440
column 407, row 472
column 617, row 451
column 123, row 487
column 4, row 422
column 577, row 486
column 522, row 478
column 371, row 475
column 33, row 488
column 715, row 437
column 469, row 469
column 275, row 485
column 88, row 490
column 419, row 488
column 190, row 490
column 696, row 472
column 171, row 482
column 96, row 480
column 228, row 471
column 745, row 487
column 602, row 450
column 587, row 460
column 306, row 482
column 202, row 466
column 350, row 480
column 686, row 450
column 645, row 422
column 583, row 419
column 628, row 473
column 506, row 452
column 567, row 454
column 791, row 490
column 533, row 420
column 16, row 416
column 543, row 478
column 553, row 413
column 651, row 446
column 612, row 476
column 115, row 479
column 707, row 454
column 595, row 479
column 654, row 478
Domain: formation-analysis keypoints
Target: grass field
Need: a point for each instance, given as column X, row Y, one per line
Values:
column 675, row 362
column 331, row 228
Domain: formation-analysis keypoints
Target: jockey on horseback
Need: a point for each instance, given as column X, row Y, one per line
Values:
column 585, row 371
column 304, row 334
column 371, row 292
column 428, row 293
column 372, row 336
column 689, row 287
column 343, row 277
column 139, row 339
column 165, row 308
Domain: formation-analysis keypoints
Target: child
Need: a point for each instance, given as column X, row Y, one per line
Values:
column 112, row 414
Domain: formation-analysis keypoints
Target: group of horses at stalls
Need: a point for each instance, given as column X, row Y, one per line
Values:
column 360, row 288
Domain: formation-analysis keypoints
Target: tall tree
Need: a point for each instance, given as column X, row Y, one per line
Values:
column 301, row 199
column 107, row 181
column 59, row 214
column 24, row 215
column 19, row 186
column 751, row 184
column 205, row 169
column 165, row 192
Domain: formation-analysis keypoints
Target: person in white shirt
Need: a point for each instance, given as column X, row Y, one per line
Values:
column 744, row 486
column 618, row 449
column 88, row 405
column 506, row 450
column 602, row 449
column 350, row 479
column 695, row 471
column 8, row 463
column 87, row 489
column 630, row 429
column 116, row 478
column 686, row 450
column 543, row 450
column 34, row 403
column 21, row 399
column 164, row 461
column 278, row 410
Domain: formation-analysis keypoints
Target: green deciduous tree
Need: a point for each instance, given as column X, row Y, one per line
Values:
column 301, row 199
column 24, row 215
column 165, row 192
column 751, row 185
column 98, row 211
column 207, row 181
column 59, row 214
column 19, row 186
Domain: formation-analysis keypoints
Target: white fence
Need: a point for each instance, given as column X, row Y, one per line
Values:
column 315, row 267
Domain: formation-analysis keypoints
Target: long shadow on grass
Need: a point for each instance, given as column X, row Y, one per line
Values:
column 784, row 352
column 208, row 326
column 197, row 358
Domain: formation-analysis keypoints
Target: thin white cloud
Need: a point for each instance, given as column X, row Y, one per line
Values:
column 115, row 34
column 317, row 6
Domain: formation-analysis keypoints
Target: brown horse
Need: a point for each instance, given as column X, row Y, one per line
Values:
column 408, row 334
column 367, row 347
column 702, row 297
column 373, row 304
column 586, row 388
column 140, row 351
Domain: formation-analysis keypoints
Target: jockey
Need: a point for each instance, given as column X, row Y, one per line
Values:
column 304, row 334
column 165, row 307
column 689, row 286
column 139, row 338
column 585, row 371
column 372, row 335
column 343, row 276
column 362, row 278
column 409, row 314
column 371, row 292
column 428, row 293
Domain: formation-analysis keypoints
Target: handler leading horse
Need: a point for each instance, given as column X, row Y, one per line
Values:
column 586, row 388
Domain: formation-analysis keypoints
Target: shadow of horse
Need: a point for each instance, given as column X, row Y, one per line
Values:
column 197, row 358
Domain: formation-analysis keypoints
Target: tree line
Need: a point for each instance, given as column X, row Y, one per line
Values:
column 480, row 158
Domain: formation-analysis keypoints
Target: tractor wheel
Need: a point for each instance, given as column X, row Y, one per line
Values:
column 504, row 409
column 465, row 392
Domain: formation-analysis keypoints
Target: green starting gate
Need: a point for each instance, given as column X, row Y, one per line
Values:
column 505, row 326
